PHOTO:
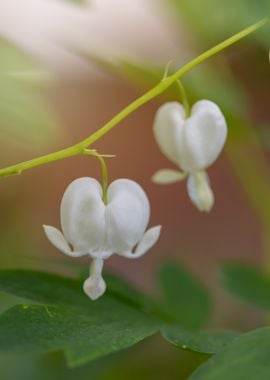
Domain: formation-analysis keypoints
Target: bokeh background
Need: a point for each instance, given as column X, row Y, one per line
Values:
column 65, row 69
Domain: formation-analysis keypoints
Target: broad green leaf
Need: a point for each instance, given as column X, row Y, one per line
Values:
column 248, row 283
column 66, row 319
column 34, row 289
column 83, row 337
column 206, row 342
column 24, row 115
column 184, row 298
column 120, row 289
column 247, row 357
column 50, row 366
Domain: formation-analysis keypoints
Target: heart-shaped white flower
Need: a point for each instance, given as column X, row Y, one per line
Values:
column 192, row 143
column 97, row 229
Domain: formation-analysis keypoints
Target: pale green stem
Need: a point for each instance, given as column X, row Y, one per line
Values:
column 154, row 92
column 104, row 171
column 184, row 97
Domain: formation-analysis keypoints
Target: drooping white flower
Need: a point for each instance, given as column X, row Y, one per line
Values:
column 193, row 143
column 91, row 227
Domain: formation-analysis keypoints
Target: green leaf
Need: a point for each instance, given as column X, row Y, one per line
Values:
column 24, row 115
column 184, row 298
column 67, row 319
column 247, row 357
column 122, row 290
column 206, row 342
column 248, row 283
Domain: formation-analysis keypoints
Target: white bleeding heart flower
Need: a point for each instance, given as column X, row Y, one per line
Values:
column 91, row 227
column 193, row 143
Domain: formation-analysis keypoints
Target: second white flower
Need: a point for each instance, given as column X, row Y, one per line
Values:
column 193, row 144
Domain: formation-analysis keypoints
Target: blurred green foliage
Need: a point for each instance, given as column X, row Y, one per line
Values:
column 184, row 297
column 65, row 319
column 247, row 283
column 24, row 115
column 212, row 20
column 151, row 360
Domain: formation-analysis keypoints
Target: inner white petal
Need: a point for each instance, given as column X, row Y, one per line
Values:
column 203, row 137
column 83, row 215
column 127, row 215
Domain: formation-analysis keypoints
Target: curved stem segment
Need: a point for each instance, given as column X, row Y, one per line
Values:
column 184, row 97
column 153, row 93
column 104, row 171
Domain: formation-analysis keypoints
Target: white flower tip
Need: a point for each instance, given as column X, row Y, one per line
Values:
column 207, row 201
column 200, row 192
column 167, row 176
column 155, row 231
column 94, row 287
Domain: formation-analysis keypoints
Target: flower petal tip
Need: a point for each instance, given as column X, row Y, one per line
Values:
column 94, row 287
column 57, row 238
column 200, row 192
column 148, row 240
column 167, row 176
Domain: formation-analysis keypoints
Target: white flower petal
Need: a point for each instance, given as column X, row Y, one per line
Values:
column 167, row 176
column 83, row 215
column 203, row 137
column 148, row 240
column 168, row 124
column 127, row 215
column 200, row 192
column 58, row 240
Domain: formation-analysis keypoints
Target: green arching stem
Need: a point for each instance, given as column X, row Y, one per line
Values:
column 104, row 171
column 184, row 97
column 149, row 95
column 166, row 83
